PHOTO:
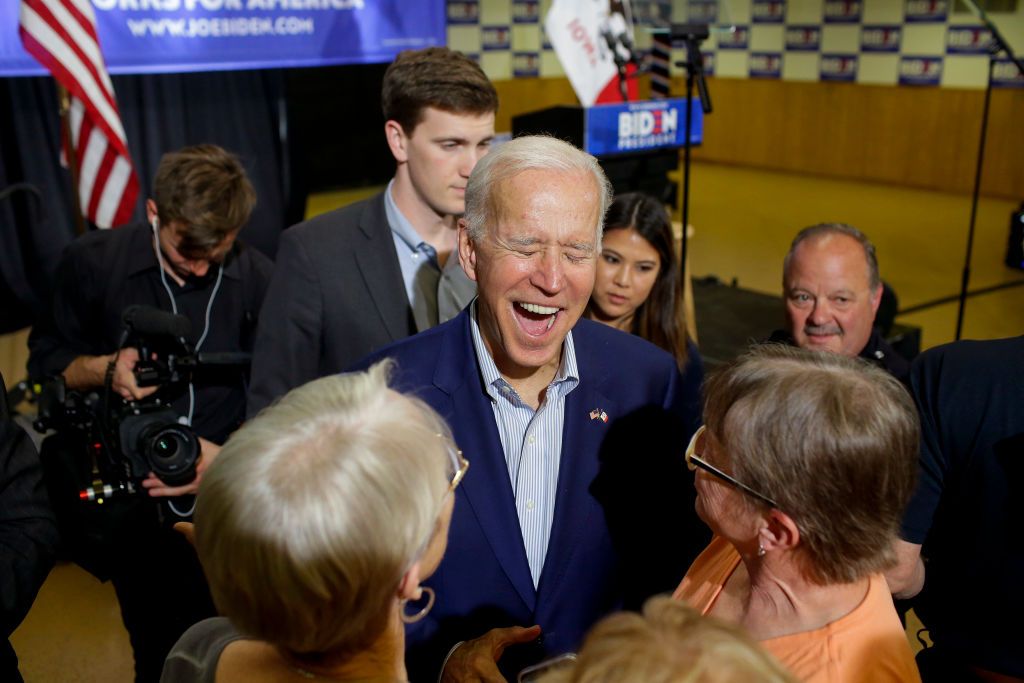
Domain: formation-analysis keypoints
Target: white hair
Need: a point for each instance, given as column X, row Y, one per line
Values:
column 527, row 153
column 314, row 510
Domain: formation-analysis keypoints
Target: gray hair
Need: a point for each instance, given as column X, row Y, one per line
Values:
column 823, row 229
column 314, row 510
column 527, row 153
column 832, row 440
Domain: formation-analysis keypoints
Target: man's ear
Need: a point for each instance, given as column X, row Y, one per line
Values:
column 467, row 251
column 398, row 142
column 779, row 532
column 151, row 211
column 409, row 587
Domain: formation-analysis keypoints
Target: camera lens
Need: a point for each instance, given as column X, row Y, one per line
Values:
column 165, row 447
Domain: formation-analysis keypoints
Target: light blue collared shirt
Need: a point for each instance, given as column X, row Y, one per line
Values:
column 531, row 441
column 435, row 294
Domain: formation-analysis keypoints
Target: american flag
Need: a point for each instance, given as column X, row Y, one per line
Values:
column 61, row 34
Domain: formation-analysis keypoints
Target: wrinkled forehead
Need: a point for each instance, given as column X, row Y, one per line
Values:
column 553, row 205
column 832, row 261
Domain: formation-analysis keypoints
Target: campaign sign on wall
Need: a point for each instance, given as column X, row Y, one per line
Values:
column 736, row 39
column 924, row 11
column 1005, row 74
column 765, row 65
column 463, row 11
column 641, row 126
column 495, row 38
column 709, row 63
column 525, row 11
column 880, row 37
column 702, row 11
column 920, row 70
column 968, row 40
column 842, row 11
column 838, row 67
column 803, row 38
column 768, row 11
column 526, row 64
column 157, row 36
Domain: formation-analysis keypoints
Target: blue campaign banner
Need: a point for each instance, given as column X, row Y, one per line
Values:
column 842, row 11
column 764, row 65
column 880, row 37
column 803, row 37
column 166, row 36
column 736, row 38
column 1005, row 74
column 641, row 126
column 920, row 70
column 768, row 11
column 925, row 11
column 463, row 12
column 525, row 11
column 525, row 64
column 968, row 40
column 702, row 11
column 838, row 67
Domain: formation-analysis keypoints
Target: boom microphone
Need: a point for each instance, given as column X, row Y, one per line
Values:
column 150, row 321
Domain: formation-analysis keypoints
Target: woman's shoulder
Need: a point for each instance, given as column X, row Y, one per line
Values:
column 868, row 644
column 194, row 658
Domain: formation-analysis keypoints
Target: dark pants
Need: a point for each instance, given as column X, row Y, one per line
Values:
column 162, row 592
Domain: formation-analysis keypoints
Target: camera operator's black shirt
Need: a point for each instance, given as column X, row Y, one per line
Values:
column 103, row 272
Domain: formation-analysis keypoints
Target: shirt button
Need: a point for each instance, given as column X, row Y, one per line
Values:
column 531, row 439
column 529, row 504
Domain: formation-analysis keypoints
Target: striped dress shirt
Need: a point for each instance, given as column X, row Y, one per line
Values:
column 531, row 441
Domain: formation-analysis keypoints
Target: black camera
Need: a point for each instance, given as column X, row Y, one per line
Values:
column 129, row 439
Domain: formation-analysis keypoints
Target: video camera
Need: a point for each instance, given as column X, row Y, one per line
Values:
column 126, row 440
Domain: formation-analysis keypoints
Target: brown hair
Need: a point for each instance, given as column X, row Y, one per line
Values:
column 670, row 643
column 832, row 440
column 205, row 189
column 434, row 77
column 661, row 319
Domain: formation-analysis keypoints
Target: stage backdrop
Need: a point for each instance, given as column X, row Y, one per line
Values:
column 167, row 36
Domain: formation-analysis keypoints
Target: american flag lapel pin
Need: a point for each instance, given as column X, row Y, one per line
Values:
column 598, row 414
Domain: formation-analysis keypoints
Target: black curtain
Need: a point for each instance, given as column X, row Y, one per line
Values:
column 240, row 111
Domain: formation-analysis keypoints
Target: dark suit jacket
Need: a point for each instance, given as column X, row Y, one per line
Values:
column 28, row 532
column 618, row 482
column 336, row 295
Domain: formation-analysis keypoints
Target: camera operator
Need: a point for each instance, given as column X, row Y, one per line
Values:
column 186, row 260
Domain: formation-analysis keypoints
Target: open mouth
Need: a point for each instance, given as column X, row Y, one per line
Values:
column 534, row 318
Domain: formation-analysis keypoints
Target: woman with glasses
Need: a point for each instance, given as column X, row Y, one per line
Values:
column 802, row 471
column 315, row 526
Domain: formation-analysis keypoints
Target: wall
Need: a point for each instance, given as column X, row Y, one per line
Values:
column 833, row 105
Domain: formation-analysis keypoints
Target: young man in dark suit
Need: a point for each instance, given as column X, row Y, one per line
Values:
column 353, row 280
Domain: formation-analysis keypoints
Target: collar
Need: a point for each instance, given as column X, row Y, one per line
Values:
column 400, row 225
column 142, row 257
column 568, row 371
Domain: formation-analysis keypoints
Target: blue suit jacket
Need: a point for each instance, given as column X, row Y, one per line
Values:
column 623, row 489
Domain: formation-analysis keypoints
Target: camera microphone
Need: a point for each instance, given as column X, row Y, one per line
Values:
column 147, row 320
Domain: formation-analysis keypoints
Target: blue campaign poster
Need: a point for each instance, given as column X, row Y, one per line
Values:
column 158, row 36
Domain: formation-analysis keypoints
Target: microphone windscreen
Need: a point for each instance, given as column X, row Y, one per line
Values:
column 147, row 320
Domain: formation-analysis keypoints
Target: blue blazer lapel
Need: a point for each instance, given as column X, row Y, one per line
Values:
column 581, row 442
column 486, row 488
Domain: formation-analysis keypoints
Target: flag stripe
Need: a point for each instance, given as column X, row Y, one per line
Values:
column 61, row 35
column 78, row 38
column 79, row 80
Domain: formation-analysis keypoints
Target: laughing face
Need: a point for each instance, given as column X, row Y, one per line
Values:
column 534, row 266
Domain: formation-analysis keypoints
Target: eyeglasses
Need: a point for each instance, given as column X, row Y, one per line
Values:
column 459, row 467
column 693, row 461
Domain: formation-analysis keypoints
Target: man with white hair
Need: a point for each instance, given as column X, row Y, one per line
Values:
column 576, row 430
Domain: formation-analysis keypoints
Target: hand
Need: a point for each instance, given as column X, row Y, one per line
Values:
column 158, row 489
column 477, row 660
column 124, row 382
column 188, row 530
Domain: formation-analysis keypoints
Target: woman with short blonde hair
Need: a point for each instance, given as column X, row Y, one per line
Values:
column 314, row 525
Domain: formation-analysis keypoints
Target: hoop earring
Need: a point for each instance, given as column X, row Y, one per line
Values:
column 413, row 618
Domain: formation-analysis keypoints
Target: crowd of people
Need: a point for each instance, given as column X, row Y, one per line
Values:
column 502, row 309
